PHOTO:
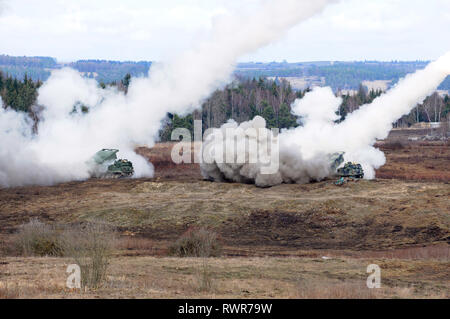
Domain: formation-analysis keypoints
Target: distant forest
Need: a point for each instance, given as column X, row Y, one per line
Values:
column 338, row 75
column 39, row 68
column 241, row 100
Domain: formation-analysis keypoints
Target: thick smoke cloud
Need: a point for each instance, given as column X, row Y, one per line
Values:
column 304, row 152
column 241, row 153
column 67, row 139
column 3, row 6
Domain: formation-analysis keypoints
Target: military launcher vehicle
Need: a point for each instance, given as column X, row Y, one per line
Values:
column 351, row 170
column 106, row 165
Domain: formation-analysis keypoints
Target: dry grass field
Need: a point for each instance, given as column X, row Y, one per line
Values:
column 421, row 161
column 252, row 277
column 274, row 239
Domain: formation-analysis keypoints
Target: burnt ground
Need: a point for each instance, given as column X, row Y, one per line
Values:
column 363, row 215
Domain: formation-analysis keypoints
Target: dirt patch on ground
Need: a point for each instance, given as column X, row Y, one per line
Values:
column 318, row 230
column 405, row 159
column 165, row 168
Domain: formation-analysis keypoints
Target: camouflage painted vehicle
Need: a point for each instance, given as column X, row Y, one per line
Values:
column 351, row 170
column 108, row 166
column 121, row 168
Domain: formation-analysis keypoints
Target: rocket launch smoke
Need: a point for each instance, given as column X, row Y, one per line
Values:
column 66, row 140
column 304, row 152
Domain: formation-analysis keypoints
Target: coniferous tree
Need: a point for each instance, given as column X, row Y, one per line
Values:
column 126, row 81
column 269, row 115
column 447, row 106
column 285, row 118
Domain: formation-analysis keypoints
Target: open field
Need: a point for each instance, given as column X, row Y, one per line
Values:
column 363, row 215
column 418, row 160
column 269, row 277
column 274, row 239
column 427, row 161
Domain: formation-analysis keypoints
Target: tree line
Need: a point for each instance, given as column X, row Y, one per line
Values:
column 338, row 75
column 19, row 95
column 272, row 99
column 240, row 100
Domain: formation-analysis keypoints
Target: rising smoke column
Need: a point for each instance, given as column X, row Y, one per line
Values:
column 304, row 152
column 66, row 140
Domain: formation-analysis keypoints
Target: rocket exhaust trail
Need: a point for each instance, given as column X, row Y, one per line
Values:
column 304, row 152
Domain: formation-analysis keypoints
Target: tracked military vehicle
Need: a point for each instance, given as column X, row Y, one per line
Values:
column 106, row 165
column 351, row 170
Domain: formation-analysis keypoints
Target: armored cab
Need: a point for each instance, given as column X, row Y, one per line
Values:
column 120, row 168
column 352, row 170
column 108, row 166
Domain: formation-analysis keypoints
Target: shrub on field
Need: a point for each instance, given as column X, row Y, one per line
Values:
column 38, row 239
column 197, row 242
column 204, row 277
column 91, row 247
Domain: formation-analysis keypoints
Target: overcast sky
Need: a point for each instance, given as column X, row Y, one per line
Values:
column 154, row 29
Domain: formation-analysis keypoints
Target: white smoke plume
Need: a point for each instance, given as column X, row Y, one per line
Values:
column 66, row 140
column 304, row 152
column 241, row 153
column 3, row 6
